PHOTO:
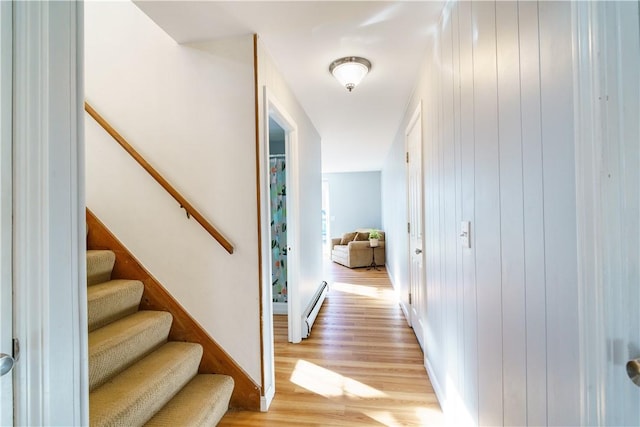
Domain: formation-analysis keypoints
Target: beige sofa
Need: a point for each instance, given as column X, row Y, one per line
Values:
column 352, row 249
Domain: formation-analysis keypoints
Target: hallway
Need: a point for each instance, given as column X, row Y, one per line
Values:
column 361, row 365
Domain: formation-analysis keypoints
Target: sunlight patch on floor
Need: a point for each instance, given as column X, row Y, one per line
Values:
column 383, row 417
column 430, row 417
column 330, row 384
column 386, row 294
column 425, row 417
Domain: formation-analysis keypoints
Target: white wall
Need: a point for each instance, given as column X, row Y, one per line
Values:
column 309, row 175
column 354, row 201
column 502, row 320
column 304, row 235
column 189, row 110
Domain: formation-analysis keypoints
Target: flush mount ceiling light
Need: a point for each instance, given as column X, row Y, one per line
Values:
column 350, row 70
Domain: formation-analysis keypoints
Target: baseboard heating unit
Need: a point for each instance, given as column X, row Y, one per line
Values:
column 312, row 311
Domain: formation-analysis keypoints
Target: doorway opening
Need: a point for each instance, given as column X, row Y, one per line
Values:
column 279, row 228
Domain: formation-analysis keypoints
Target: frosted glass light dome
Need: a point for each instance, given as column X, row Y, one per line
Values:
column 350, row 70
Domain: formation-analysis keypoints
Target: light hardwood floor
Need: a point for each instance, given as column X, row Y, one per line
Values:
column 361, row 366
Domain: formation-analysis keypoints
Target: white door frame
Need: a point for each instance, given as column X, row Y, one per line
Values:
column 6, row 206
column 274, row 109
column 49, row 275
column 278, row 113
column 416, row 299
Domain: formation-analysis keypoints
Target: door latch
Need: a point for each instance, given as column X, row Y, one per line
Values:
column 16, row 349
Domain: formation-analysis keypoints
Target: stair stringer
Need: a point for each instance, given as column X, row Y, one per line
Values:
column 215, row 360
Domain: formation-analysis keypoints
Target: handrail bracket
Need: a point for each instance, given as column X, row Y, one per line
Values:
column 186, row 211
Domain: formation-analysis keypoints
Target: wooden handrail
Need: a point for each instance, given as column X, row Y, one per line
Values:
column 191, row 211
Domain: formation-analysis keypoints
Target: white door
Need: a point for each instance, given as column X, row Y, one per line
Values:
column 415, row 199
column 620, row 178
column 608, row 165
column 6, row 297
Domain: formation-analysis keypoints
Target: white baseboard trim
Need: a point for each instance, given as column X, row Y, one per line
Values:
column 436, row 386
column 406, row 314
column 280, row 308
column 395, row 289
column 265, row 401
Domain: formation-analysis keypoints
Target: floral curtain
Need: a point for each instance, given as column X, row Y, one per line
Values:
column 278, row 229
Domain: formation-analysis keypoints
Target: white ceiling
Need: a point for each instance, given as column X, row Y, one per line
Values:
column 303, row 38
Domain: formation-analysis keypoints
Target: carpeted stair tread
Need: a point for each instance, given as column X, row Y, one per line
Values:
column 136, row 394
column 118, row 345
column 99, row 266
column 112, row 300
column 202, row 402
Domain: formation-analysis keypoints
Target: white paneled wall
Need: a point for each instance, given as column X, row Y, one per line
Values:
column 502, row 319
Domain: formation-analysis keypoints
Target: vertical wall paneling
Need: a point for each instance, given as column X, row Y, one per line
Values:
column 436, row 210
column 559, row 211
column 496, row 87
column 532, row 188
column 459, row 293
column 487, row 202
column 430, row 130
column 467, row 160
column 432, row 213
column 588, row 199
column 448, row 242
column 511, row 215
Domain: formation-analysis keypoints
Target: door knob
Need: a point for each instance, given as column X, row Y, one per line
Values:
column 633, row 371
column 418, row 251
column 6, row 364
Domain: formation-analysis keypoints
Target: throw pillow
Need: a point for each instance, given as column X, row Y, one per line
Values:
column 362, row 236
column 347, row 237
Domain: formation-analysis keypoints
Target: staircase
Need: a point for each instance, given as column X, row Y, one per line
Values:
column 136, row 376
